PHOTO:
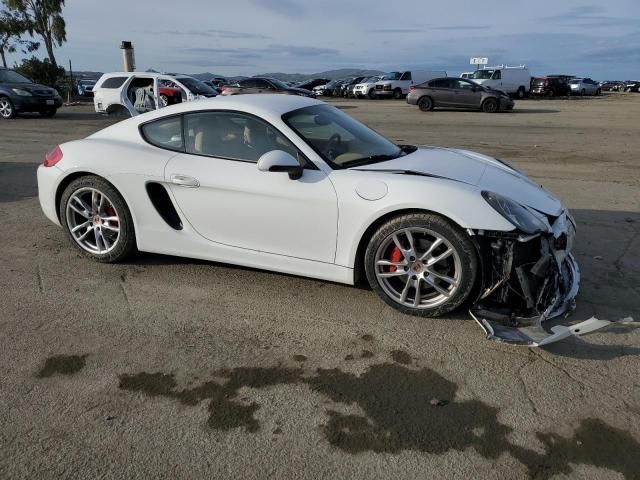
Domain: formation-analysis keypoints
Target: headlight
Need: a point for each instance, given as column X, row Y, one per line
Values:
column 519, row 216
column 22, row 92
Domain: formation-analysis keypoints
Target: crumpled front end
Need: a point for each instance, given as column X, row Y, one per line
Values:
column 527, row 280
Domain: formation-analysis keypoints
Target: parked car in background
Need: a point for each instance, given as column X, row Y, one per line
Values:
column 458, row 93
column 367, row 87
column 263, row 85
column 584, row 86
column 85, row 87
column 19, row 94
column 349, row 86
column 515, row 81
column 170, row 93
column 133, row 93
column 398, row 86
column 611, row 86
column 326, row 89
column 632, row 86
column 216, row 83
column 467, row 75
column 549, row 87
column 339, row 88
column 312, row 83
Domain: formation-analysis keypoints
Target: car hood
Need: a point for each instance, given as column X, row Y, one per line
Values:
column 302, row 91
column 476, row 169
column 31, row 87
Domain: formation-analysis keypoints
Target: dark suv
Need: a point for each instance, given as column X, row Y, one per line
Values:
column 550, row 87
column 19, row 94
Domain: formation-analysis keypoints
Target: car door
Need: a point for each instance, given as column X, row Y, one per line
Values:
column 465, row 94
column 441, row 92
column 227, row 200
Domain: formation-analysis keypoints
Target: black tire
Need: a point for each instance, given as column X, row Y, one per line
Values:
column 397, row 94
column 583, row 92
column 551, row 94
column 49, row 113
column 598, row 92
column 372, row 94
column 458, row 240
column 7, row 110
column 521, row 93
column 164, row 100
column 126, row 242
column 425, row 104
column 490, row 105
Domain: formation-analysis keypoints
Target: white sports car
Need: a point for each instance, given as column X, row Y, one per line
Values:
column 294, row 185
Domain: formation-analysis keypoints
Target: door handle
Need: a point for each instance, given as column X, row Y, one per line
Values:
column 184, row 181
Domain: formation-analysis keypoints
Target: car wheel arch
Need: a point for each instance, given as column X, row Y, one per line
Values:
column 358, row 261
column 66, row 181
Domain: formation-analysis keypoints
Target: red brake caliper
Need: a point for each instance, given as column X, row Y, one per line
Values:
column 396, row 256
column 110, row 211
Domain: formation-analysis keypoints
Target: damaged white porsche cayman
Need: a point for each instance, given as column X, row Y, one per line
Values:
column 294, row 185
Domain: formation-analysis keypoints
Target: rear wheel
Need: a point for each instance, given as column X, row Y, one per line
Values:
column 425, row 104
column 97, row 219
column 6, row 108
column 583, row 92
column 550, row 93
column 372, row 94
column 421, row 264
column 521, row 93
column 490, row 105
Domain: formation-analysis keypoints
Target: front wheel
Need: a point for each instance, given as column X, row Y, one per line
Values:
column 164, row 100
column 421, row 264
column 97, row 220
column 372, row 94
column 490, row 105
column 397, row 94
column 7, row 110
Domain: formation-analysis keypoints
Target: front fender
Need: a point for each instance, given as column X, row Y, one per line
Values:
column 461, row 203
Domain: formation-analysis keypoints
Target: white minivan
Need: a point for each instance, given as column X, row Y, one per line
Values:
column 515, row 81
column 397, row 84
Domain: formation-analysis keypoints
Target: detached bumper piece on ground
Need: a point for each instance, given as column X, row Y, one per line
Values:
column 530, row 280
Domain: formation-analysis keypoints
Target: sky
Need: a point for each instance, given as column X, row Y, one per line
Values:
column 246, row 37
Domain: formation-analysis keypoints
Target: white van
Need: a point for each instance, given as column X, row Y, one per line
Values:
column 512, row 80
column 397, row 84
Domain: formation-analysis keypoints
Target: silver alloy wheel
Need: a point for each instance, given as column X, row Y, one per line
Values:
column 93, row 221
column 164, row 100
column 6, row 109
column 428, row 272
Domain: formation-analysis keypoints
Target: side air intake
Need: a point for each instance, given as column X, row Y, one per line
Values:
column 163, row 204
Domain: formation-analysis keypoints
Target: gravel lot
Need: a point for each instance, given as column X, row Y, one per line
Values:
column 171, row 368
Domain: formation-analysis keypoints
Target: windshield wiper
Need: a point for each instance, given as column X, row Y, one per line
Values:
column 371, row 159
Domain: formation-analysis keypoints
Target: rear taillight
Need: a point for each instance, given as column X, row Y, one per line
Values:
column 412, row 88
column 53, row 156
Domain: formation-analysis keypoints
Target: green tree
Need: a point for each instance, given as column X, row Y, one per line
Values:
column 44, row 18
column 42, row 71
column 11, row 29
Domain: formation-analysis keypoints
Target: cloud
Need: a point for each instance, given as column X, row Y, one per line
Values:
column 590, row 16
column 222, row 34
column 287, row 8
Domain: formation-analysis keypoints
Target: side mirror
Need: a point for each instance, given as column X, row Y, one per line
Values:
column 280, row 161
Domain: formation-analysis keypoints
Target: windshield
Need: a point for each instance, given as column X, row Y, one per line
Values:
column 391, row 76
column 9, row 76
column 370, row 80
column 196, row 86
column 482, row 74
column 278, row 83
column 340, row 139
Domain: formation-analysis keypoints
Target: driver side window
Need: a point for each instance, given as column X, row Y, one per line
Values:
column 497, row 75
column 233, row 136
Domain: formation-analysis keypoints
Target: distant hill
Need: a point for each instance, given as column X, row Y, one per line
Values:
column 330, row 74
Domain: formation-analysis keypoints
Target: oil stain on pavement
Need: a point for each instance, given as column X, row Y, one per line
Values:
column 399, row 414
column 63, row 365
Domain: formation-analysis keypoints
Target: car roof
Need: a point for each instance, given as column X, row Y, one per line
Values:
column 259, row 104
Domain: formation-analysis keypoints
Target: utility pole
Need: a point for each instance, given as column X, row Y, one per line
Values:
column 70, row 83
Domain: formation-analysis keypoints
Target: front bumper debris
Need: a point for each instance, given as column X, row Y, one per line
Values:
column 527, row 281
